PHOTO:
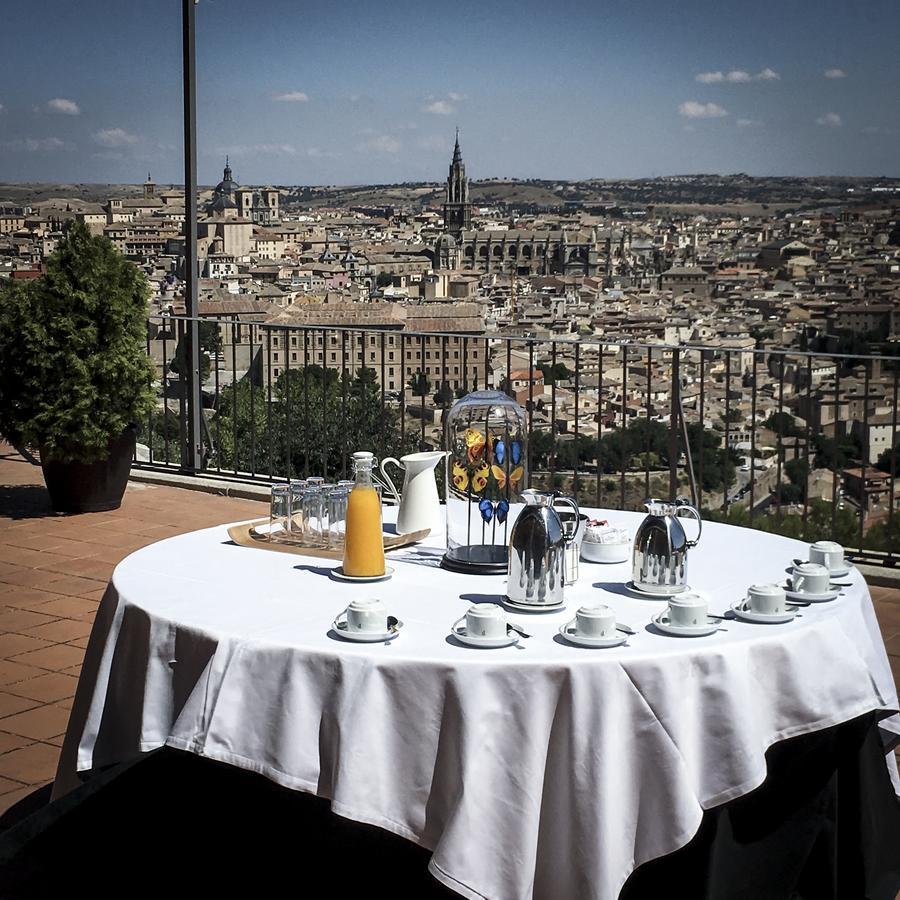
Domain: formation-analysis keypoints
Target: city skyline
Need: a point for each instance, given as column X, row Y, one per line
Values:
column 372, row 95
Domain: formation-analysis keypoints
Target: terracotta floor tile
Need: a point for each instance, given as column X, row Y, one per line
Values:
column 10, row 705
column 14, row 644
column 12, row 742
column 94, row 596
column 34, row 764
column 39, row 723
column 112, row 555
column 73, row 670
column 72, row 585
column 7, row 785
column 70, row 607
column 12, row 673
column 88, row 567
column 34, row 578
column 50, row 687
column 7, row 801
column 31, row 559
column 61, row 630
column 28, row 598
column 56, row 741
column 81, row 642
column 21, row 620
column 56, row 658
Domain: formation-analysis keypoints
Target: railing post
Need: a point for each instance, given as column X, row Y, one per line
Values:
column 674, row 415
column 191, row 451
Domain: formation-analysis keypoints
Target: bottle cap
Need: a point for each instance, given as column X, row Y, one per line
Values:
column 363, row 454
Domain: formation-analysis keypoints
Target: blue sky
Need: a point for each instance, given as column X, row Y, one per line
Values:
column 300, row 93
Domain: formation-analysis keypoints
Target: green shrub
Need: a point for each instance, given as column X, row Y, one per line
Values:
column 75, row 372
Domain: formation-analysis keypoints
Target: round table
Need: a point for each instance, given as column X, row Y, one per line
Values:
column 541, row 769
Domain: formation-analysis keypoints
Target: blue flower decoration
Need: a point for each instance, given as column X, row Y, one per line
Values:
column 502, row 511
column 500, row 451
column 486, row 508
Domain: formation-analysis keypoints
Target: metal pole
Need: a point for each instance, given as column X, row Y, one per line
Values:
column 191, row 454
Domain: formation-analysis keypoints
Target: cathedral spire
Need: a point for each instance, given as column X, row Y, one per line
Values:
column 457, row 211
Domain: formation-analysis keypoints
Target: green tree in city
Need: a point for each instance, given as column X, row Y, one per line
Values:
column 420, row 385
column 210, row 336
column 554, row 373
column 443, row 397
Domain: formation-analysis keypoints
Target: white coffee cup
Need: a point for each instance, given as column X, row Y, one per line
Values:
column 596, row 621
column 768, row 599
column 827, row 553
column 487, row 620
column 810, row 578
column 687, row 610
column 366, row 615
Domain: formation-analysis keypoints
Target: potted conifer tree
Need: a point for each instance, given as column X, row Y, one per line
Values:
column 74, row 373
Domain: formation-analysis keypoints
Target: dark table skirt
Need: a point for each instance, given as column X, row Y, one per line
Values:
column 825, row 825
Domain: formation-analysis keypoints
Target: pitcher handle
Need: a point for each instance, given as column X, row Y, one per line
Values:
column 570, row 501
column 687, row 507
column 387, row 477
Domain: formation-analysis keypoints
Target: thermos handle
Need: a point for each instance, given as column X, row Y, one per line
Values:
column 696, row 514
column 570, row 501
column 387, row 477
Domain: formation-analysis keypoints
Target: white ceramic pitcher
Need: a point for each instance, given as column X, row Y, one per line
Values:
column 419, row 503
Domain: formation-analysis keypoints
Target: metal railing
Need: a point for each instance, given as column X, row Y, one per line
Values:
column 800, row 442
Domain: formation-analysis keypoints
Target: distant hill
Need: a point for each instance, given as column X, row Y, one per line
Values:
column 679, row 194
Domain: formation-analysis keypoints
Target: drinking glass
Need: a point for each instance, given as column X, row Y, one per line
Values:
column 279, row 512
column 297, row 524
column 337, row 514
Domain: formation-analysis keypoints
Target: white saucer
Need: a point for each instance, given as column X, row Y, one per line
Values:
column 635, row 591
column 365, row 637
column 661, row 621
column 812, row 598
column 749, row 615
column 568, row 633
column 845, row 570
column 338, row 575
column 534, row 607
column 486, row 642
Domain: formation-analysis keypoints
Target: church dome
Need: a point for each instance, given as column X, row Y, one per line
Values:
column 446, row 242
column 227, row 185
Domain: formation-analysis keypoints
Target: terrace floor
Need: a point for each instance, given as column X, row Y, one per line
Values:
column 53, row 571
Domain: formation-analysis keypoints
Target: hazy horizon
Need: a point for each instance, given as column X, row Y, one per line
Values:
column 371, row 93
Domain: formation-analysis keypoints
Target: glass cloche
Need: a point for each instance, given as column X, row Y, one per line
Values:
column 487, row 440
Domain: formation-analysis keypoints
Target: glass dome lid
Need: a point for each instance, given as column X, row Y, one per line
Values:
column 487, row 469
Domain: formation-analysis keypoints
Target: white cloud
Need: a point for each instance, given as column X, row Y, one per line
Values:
column 455, row 97
column 834, row 73
column 433, row 143
column 748, row 123
column 63, row 107
column 35, row 145
column 114, row 137
column 440, row 107
column 1, row 107
column 319, row 153
column 693, row 109
column 879, row 129
column 380, row 143
column 830, row 120
column 736, row 76
column 292, row 97
column 257, row 149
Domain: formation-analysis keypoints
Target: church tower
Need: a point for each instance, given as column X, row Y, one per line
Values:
column 457, row 209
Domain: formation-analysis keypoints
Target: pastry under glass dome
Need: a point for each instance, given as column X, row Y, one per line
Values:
column 487, row 469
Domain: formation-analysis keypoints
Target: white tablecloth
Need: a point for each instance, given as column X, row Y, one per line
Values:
column 542, row 770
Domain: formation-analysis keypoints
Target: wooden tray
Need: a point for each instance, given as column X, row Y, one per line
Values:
column 246, row 535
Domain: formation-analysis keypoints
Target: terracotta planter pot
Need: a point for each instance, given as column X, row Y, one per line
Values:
column 77, row 487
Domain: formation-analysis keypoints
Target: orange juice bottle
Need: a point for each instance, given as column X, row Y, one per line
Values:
column 363, row 540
